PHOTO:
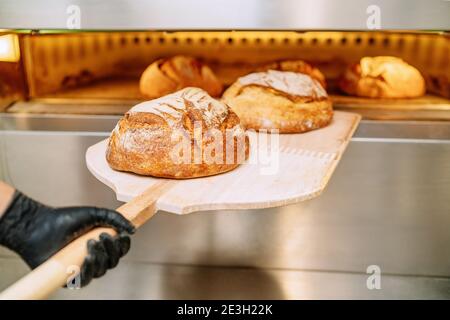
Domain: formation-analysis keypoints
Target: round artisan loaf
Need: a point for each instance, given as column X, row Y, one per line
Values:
column 382, row 77
column 288, row 101
column 186, row 134
column 168, row 75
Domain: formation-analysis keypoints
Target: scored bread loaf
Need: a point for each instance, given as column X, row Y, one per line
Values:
column 168, row 75
column 287, row 101
column 299, row 66
column 186, row 134
column 382, row 77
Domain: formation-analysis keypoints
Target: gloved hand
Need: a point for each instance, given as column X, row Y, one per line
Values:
column 36, row 232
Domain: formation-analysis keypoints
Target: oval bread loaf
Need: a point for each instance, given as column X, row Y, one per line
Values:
column 168, row 75
column 286, row 101
column 382, row 77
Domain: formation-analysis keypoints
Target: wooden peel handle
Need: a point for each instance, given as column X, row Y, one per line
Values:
column 54, row 273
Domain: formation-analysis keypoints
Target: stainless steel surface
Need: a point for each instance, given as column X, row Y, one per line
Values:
column 404, row 129
column 225, row 14
column 136, row 280
column 387, row 204
column 104, row 123
column 55, row 122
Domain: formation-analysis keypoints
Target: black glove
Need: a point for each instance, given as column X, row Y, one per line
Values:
column 36, row 232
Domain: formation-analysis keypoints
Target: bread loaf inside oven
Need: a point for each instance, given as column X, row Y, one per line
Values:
column 165, row 76
column 382, row 77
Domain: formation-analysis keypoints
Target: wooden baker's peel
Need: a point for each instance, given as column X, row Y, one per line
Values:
column 305, row 164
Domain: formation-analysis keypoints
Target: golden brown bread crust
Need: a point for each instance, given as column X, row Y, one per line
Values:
column 299, row 66
column 382, row 77
column 146, row 139
column 287, row 101
column 166, row 76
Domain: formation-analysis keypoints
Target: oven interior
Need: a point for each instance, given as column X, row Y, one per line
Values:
column 50, row 71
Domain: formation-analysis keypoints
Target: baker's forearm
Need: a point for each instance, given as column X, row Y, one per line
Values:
column 6, row 194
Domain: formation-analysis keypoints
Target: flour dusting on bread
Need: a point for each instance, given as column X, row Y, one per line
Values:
column 175, row 105
column 292, row 83
column 290, row 102
column 184, row 135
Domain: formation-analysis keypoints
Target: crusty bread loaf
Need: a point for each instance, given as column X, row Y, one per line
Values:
column 288, row 101
column 166, row 76
column 382, row 77
column 299, row 66
column 151, row 138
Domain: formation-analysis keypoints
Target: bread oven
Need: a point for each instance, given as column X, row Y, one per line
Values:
column 387, row 205
column 101, row 70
